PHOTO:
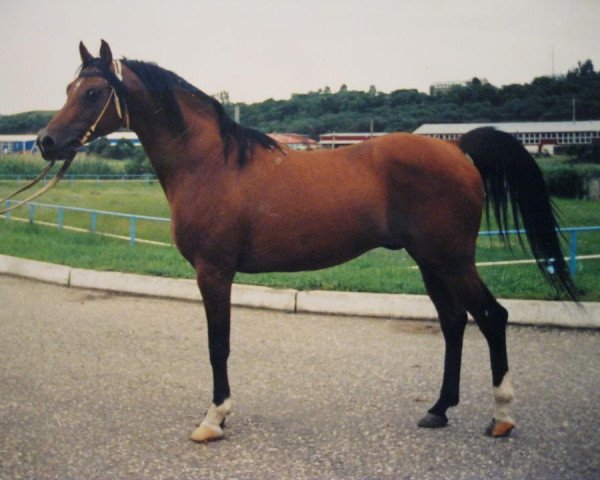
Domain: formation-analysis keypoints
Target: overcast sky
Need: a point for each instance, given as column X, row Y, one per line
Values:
column 259, row 49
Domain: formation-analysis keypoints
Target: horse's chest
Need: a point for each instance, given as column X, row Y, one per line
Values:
column 209, row 233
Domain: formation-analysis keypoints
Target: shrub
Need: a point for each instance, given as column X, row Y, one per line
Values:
column 584, row 153
column 564, row 181
column 139, row 164
column 570, row 181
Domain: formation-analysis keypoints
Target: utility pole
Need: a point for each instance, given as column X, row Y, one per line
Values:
column 236, row 113
column 574, row 116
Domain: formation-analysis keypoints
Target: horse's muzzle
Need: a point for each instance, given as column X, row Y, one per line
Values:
column 52, row 149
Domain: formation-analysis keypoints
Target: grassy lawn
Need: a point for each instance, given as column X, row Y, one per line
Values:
column 12, row 164
column 377, row 271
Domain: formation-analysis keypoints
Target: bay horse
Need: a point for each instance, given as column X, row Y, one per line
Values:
column 241, row 202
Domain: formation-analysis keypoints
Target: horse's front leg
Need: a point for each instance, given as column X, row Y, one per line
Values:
column 215, row 286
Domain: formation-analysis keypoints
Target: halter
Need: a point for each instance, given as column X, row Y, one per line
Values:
column 120, row 104
column 115, row 82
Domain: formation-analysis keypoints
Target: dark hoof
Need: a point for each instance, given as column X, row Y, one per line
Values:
column 433, row 421
column 498, row 429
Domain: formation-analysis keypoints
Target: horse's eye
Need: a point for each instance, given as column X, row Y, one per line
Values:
column 92, row 93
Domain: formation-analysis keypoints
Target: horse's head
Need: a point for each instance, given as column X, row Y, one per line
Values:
column 96, row 105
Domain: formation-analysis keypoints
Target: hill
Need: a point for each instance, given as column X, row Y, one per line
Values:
column 313, row 113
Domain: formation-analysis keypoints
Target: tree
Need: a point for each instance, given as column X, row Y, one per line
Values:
column 585, row 69
column 123, row 149
column 315, row 112
column 223, row 97
column 100, row 147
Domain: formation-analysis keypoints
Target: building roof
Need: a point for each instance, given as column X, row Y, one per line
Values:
column 350, row 138
column 360, row 135
column 511, row 127
column 25, row 137
column 292, row 138
column 125, row 135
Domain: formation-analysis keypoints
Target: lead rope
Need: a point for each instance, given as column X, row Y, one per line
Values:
column 45, row 188
column 42, row 174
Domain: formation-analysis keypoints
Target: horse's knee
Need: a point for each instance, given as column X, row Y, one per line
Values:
column 500, row 314
column 492, row 321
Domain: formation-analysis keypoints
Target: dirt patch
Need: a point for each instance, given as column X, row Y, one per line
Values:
column 415, row 326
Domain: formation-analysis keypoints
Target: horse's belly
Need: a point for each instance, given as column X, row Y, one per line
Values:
column 296, row 260
column 309, row 242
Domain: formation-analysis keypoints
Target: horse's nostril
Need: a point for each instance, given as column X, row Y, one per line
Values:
column 47, row 142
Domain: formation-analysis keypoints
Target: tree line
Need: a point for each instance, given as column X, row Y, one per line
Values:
column 344, row 110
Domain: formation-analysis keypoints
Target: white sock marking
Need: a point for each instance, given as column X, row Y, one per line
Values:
column 216, row 414
column 504, row 396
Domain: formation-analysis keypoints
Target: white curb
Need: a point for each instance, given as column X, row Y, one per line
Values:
column 183, row 289
column 561, row 314
column 136, row 284
column 525, row 312
column 264, row 297
column 46, row 272
column 520, row 312
column 366, row 304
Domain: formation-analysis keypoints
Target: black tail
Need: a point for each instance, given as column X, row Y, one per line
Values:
column 511, row 177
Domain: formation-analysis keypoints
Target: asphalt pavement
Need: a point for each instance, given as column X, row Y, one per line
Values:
column 98, row 385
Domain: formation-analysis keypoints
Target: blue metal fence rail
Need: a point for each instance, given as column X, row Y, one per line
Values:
column 133, row 219
column 61, row 209
column 148, row 177
column 571, row 231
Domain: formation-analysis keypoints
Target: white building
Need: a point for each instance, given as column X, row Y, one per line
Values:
column 335, row 140
column 114, row 137
column 24, row 143
column 295, row 141
column 538, row 136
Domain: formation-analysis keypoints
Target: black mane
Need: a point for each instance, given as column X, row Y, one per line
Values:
column 162, row 84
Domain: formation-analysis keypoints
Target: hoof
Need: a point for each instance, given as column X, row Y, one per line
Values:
column 205, row 433
column 499, row 429
column 433, row 421
column 211, row 428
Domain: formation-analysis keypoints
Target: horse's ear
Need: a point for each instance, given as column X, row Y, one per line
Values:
column 105, row 54
column 86, row 57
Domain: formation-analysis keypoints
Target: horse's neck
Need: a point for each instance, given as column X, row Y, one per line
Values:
column 199, row 150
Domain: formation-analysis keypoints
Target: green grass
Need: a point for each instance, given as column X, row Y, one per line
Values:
column 544, row 161
column 116, row 196
column 12, row 164
column 377, row 271
column 86, row 250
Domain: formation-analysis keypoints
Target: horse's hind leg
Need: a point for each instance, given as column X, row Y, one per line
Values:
column 453, row 319
column 492, row 320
